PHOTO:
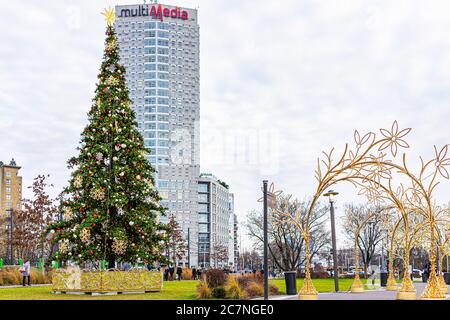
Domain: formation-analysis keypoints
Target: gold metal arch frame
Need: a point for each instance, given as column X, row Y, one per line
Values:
column 360, row 163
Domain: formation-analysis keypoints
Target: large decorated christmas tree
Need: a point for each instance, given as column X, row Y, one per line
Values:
column 110, row 207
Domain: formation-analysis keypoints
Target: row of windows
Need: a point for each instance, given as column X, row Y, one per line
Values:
column 159, row 126
column 163, row 101
column 154, row 117
column 161, row 152
column 159, row 143
column 159, row 25
column 173, row 185
column 154, row 50
column 154, row 135
column 153, row 42
column 151, row 59
column 161, row 34
column 154, row 92
column 153, row 109
column 153, row 75
column 157, row 160
column 159, row 67
column 154, row 84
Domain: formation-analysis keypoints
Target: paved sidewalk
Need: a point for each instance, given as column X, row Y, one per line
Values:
column 379, row 294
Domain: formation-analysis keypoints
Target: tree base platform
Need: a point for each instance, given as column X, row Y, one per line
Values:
column 111, row 282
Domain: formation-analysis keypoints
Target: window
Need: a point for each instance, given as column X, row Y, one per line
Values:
column 204, row 247
column 203, row 227
column 163, row 143
column 163, row 43
column 163, row 84
column 202, row 198
column 203, row 208
column 150, row 134
column 150, row 143
column 163, row 101
column 8, row 174
column 8, row 197
column 203, row 218
column 203, row 188
column 150, row 109
column 203, row 237
column 8, row 190
column 150, row 84
column 8, row 182
column 163, row 152
column 163, row 34
column 163, row 126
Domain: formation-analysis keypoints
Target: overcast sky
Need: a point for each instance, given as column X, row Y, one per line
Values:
column 280, row 82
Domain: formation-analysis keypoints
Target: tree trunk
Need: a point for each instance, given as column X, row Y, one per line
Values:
column 365, row 270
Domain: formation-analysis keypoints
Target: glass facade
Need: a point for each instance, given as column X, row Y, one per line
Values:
column 163, row 75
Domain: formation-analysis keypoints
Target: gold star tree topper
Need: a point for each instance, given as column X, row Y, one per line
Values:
column 110, row 15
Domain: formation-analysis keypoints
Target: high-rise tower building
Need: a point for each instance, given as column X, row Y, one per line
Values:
column 10, row 196
column 160, row 49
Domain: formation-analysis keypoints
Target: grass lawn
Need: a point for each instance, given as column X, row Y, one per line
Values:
column 184, row 290
column 322, row 285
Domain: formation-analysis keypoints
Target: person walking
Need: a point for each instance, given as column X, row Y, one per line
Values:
column 25, row 271
column 166, row 274
column 194, row 273
column 171, row 272
column 179, row 273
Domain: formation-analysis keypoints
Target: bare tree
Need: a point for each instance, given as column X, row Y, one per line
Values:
column 251, row 259
column 219, row 254
column 286, row 243
column 368, row 222
column 31, row 222
column 175, row 244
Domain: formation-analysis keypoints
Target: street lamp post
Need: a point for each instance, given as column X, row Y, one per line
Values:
column 331, row 194
column 189, row 247
column 266, row 243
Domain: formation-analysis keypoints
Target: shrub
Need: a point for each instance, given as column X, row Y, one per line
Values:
column 215, row 278
column 10, row 276
column 245, row 280
column 219, row 293
column 186, row 274
column 254, row 290
column 273, row 290
column 234, row 292
column 203, row 291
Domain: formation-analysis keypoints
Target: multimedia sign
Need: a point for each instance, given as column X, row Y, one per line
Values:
column 154, row 11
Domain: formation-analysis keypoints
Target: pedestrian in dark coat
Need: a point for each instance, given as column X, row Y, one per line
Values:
column 171, row 272
column 179, row 273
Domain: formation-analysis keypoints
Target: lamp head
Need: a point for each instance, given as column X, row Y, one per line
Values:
column 331, row 195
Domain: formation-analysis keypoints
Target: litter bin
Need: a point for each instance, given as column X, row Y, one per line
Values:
column 291, row 282
column 383, row 278
column 447, row 277
column 424, row 277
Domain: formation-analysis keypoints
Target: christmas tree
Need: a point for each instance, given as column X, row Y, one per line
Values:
column 111, row 209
